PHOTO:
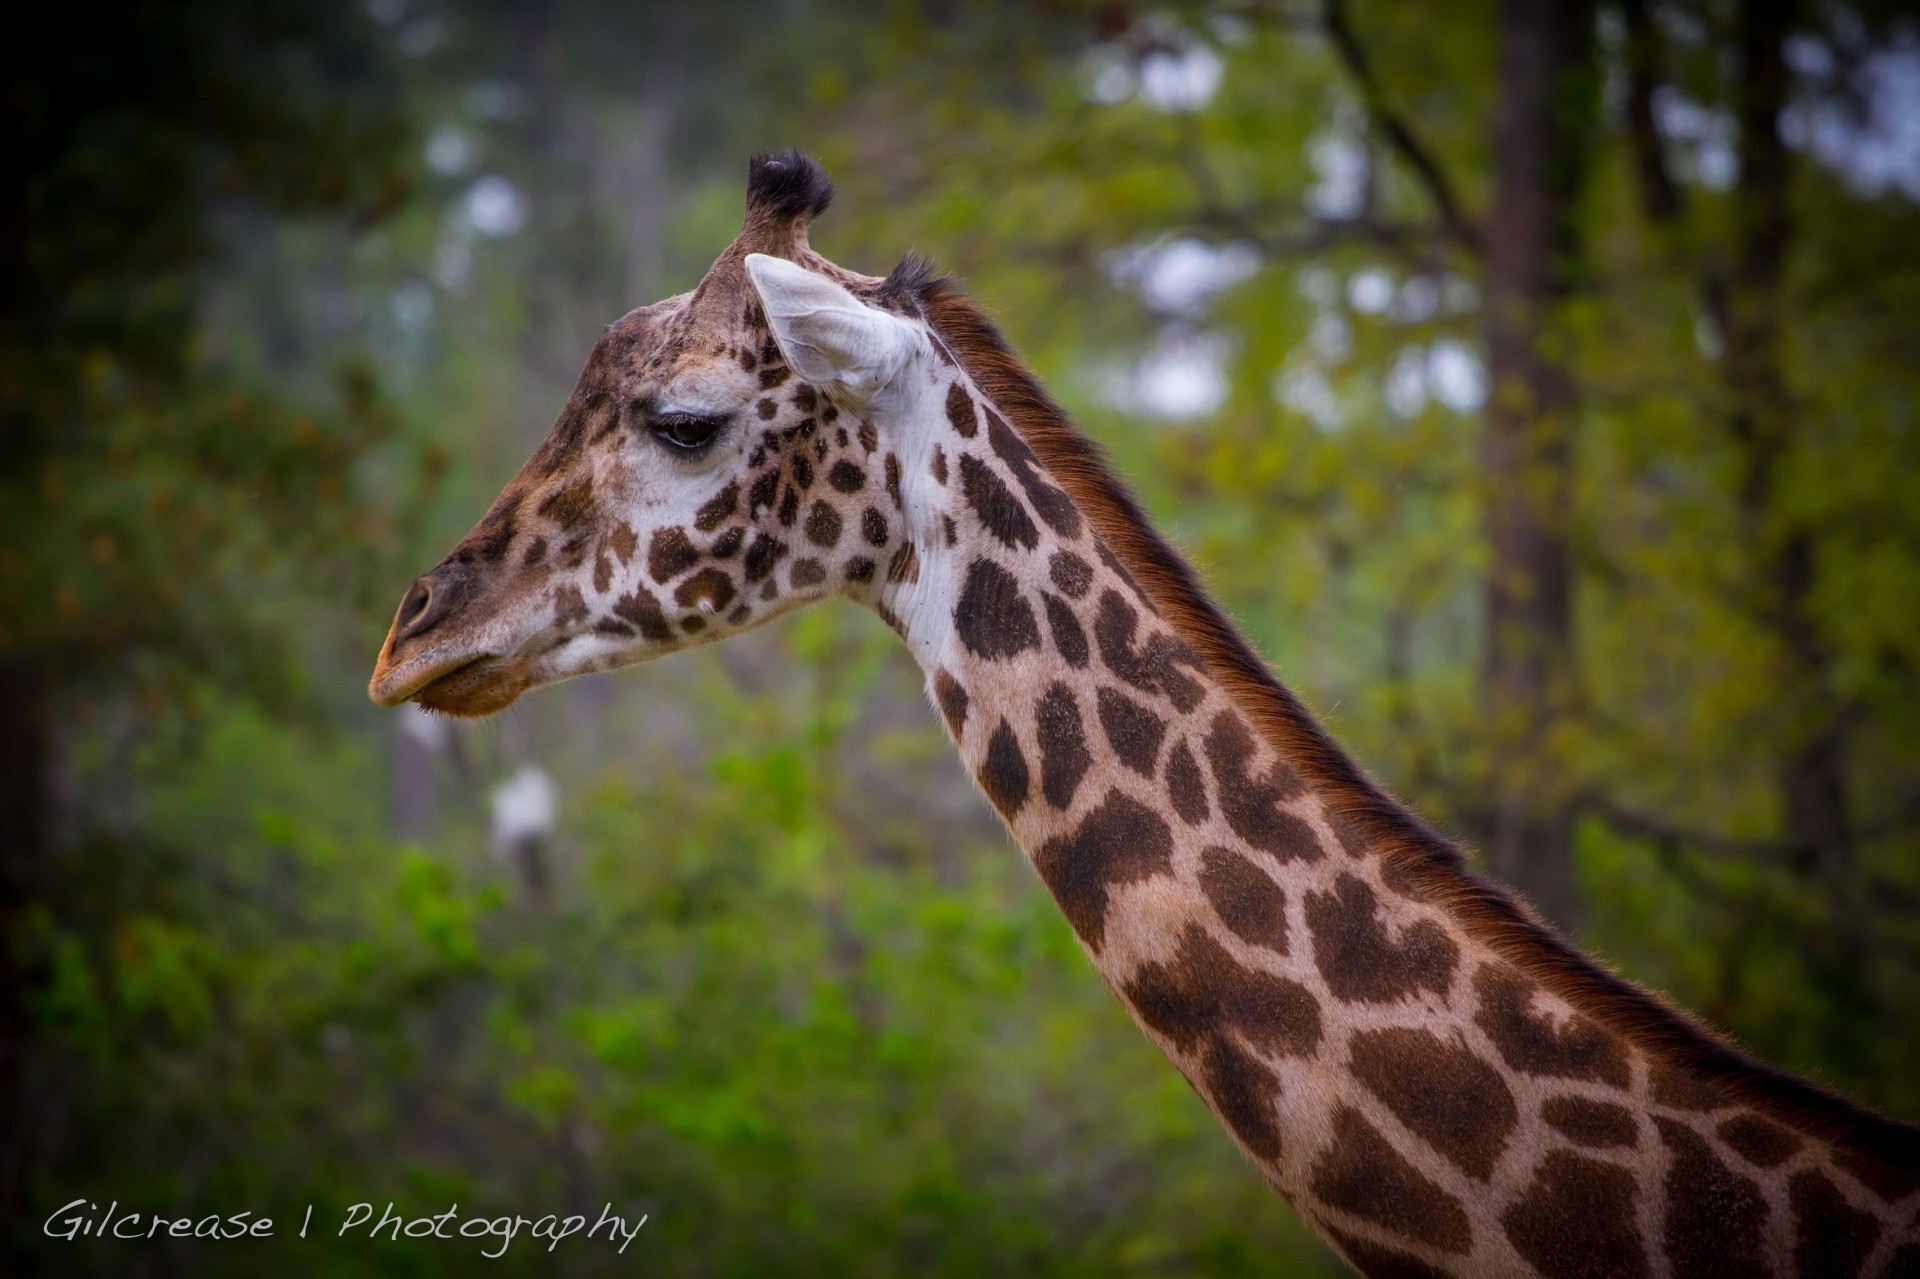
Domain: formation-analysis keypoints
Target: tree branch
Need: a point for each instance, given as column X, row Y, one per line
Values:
column 1660, row 199
column 1670, row 843
column 1398, row 133
column 1314, row 235
column 1638, row 825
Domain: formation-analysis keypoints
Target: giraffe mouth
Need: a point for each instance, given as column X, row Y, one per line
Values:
column 469, row 687
column 476, row 687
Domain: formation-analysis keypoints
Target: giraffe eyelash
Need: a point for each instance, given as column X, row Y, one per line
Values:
column 687, row 434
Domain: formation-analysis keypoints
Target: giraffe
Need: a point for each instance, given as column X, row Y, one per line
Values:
column 1434, row 1080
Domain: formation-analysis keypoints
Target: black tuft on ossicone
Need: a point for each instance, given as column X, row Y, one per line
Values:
column 787, row 184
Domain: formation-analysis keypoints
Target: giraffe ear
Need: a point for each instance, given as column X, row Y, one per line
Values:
column 830, row 337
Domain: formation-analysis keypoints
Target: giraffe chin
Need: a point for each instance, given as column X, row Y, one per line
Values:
column 478, row 689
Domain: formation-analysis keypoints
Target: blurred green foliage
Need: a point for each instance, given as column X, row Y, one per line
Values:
column 294, row 288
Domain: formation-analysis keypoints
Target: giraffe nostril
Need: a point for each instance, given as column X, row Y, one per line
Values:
column 417, row 606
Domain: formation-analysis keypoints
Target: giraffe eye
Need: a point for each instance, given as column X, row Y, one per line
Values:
column 687, row 432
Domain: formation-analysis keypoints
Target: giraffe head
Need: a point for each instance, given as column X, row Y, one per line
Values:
column 716, row 465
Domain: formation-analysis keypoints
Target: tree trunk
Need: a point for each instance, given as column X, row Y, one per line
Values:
column 24, row 786
column 1547, row 103
column 1752, row 314
column 1763, row 423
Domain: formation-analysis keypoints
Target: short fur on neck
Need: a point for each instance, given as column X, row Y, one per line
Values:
column 1433, row 864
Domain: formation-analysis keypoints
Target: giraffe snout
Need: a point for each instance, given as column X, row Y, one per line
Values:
column 425, row 644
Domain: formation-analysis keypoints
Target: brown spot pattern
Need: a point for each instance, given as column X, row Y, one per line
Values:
column 573, row 552
column 1132, row 730
column 569, row 606
column 670, row 554
column 1064, row 758
column 1360, row 1173
column 1533, row 1044
column 1454, row 1101
column 1049, row 503
column 1885, row 1180
column 1357, row 958
column 568, row 507
column 999, row 511
column 823, row 526
column 717, row 509
column 1715, row 1218
column 1068, row 638
column 1245, row 897
column 905, row 564
column 1683, row 1092
column 1379, row 1262
column 1251, row 804
column 1200, row 1000
column 1576, row 1220
column 763, row 492
column 644, row 612
column 952, row 699
column 1598, row 1124
column 1119, row 570
column 1073, row 575
column 1832, row 1238
column 1185, row 786
column 1152, row 667
column 992, row 617
column 1117, row 843
column 960, row 411
column 766, row 551
column 1242, row 1089
column 1003, row 774
column 710, row 584
column 1763, row 1144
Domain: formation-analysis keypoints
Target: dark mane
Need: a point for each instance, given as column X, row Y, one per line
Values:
column 913, row 280
column 1434, row 865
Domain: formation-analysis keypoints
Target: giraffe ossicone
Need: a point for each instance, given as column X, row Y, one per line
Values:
column 1437, row 1083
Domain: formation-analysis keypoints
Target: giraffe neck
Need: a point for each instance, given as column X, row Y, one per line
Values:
column 1411, row 1079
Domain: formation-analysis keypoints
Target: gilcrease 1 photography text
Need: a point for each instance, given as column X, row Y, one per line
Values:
column 83, row 1219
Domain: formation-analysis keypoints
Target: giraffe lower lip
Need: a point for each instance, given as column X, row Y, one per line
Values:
column 450, row 675
column 474, row 688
